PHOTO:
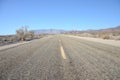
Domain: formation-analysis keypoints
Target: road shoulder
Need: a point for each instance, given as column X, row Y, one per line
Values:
column 12, row 45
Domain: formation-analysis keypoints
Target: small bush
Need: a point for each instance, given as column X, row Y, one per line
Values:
column 105, row 36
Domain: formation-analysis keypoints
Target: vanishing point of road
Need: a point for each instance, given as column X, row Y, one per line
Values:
column 60, row 57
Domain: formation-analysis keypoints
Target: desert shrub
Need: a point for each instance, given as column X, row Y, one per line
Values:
column 4, row 39
column 105, row 36
column 23, row 34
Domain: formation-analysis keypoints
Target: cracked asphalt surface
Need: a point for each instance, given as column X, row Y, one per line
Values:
column 42, row 60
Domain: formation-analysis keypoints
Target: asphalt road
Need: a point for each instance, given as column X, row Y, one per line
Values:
column 60, row 58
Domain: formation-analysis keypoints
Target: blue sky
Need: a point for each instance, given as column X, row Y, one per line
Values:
column 58, row 14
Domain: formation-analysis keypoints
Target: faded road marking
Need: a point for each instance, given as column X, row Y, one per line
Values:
column 62, row 52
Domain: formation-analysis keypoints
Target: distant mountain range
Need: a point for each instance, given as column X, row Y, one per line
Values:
column 115, row 29
column 49, row 31
column 56, row 31
column 108, row 30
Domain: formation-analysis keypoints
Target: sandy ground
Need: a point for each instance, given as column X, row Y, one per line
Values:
column 110, row 42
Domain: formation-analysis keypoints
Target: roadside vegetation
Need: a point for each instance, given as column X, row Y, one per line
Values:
column 22, row 34
column 98, row 35
column 110, row 33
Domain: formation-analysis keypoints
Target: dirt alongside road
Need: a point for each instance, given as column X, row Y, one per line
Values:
column 12, row 45
column 110, row 42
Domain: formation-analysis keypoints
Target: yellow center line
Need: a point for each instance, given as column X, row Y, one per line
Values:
column 62, row 51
